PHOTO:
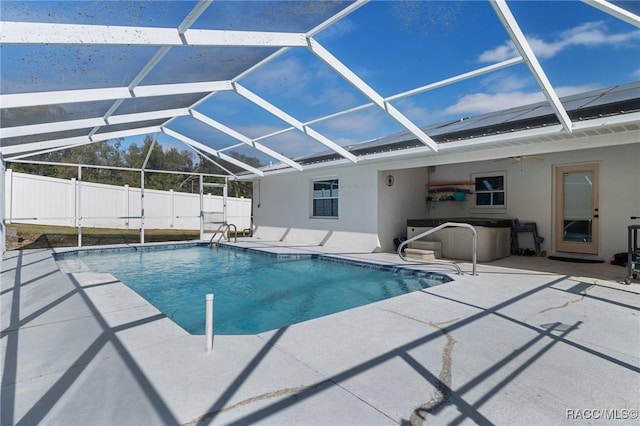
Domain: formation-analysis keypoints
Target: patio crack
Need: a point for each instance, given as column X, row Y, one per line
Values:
column 564, row 305
column 264, row 396
column 442, row 393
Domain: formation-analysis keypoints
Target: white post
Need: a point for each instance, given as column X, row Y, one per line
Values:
column 73, row 215
column 224, row 202
column 10, row 197
column 79, row 206
column 142, row 206
column 208, row 327
column 201, row 208
column 3, row 235
column 126, row 205
column 171, row 211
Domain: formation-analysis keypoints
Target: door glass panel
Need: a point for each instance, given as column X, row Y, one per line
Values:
column 578, row 206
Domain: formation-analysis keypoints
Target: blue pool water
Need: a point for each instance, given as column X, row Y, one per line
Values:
column 253, row 292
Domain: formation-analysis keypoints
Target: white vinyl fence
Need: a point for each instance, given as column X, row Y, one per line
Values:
column 50, row 201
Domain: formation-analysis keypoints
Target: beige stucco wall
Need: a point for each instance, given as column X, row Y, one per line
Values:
column 282, row 209
column 372, row 214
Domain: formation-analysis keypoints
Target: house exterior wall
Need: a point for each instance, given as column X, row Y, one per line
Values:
column 530, row 192
column 372, row 214
column 403, row 200
column 282, row 209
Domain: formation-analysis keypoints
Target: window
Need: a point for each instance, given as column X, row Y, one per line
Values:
column 490, row 190
column 325, row 198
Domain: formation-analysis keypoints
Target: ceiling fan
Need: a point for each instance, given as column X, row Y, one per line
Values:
column 521, row 158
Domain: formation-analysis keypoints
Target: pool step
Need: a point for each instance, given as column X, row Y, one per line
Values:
column 420, row 254
column 425, row 248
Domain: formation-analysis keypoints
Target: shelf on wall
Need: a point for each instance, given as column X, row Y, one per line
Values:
column 452, row 183
column 446, row 191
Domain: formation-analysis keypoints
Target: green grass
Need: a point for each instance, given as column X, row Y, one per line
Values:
column 43, row 236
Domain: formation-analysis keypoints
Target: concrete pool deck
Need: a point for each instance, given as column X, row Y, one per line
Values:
column 556, row 344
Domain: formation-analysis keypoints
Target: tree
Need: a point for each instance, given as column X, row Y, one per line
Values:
column 111, row 153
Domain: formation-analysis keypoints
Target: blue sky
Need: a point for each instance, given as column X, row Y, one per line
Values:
column 397, row 46
column 394, row 46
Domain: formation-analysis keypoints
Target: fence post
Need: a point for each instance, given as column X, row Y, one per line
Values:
column 10, row 197
column 73, row 215
column 171, row 212
column 79, row 206
column 208, row 325
column 126, row 205
column 142, row 206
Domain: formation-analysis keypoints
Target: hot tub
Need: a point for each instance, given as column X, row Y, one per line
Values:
column 494, row 237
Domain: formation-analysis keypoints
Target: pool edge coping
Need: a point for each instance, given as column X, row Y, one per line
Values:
column 443, row 278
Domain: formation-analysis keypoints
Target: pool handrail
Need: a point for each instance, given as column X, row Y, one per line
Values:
column 436, row 229
column 223, row 229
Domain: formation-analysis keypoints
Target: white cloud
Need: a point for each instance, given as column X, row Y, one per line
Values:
column 285, row 76
column 334, row 96
column 337, row 30
column 636, row 73
column 355, row 123
column 504, row 82
column 414, row 112
column 589, row 34
column 543, row 49
column 500, row 53
column 480, row 103
column 572, row 90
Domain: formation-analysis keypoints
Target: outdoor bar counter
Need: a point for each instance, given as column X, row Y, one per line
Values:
column 494, row 237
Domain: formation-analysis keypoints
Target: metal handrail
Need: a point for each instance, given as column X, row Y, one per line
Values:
column 437, row 228
column 223, row 229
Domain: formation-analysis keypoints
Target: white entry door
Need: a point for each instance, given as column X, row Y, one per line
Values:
column 576, row 208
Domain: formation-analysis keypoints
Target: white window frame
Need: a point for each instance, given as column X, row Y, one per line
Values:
column 494, row 207
column 330, row 196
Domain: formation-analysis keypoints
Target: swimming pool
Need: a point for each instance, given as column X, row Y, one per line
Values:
column 254, row 292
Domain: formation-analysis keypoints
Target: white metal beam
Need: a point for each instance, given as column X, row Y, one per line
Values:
column 56, row 126
column 243, row 38
column 421, row 89
column 247, row 94
column 98, row 137
column 46, row 151
column 456, row 79
column 57, row 33
column 149, row 115
column 211, row 151
column 36, row 146
column 173, row 89
column 206, row 157
column 193, row 16
column 244, row 139
column 17, row 100
column 521, row 43
column 340, row 15
column 60, row 126
column 616, row 11
column 369, row 92
column 146, row 159
column 156, row 90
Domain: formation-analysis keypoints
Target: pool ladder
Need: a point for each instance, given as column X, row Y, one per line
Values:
column 445, row 262
column 222, row 232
